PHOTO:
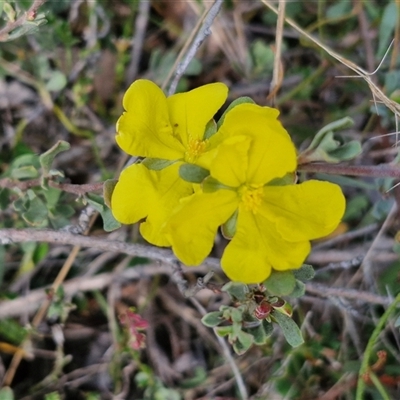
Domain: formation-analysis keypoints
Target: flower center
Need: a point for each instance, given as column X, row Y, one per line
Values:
column 194, row 149
column 251, row 197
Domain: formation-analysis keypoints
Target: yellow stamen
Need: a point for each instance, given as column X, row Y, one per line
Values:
column 251, row 197
column 194, row 149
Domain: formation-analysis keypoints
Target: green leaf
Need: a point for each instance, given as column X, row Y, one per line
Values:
column 52, row 196
column 211, row 129
column 280, row 283
column 288, row 179
column 4, row 198
column 52, row 396
column 223, row 330
column 236, row 290
column 228, row 229
column 299, row 289
column 243, row 342
column 212, row 319
column 304, row 273
column 234, row 103
column 324, row 147
column 346, row 151
column 27, row 172
column 12, row 331
column 97, row 202
column 193, row 173
column 9, row 11
column 200, row 376
column 395, row 96
column 397, row 322
column 157, row 164
column 289, row 328
column 108, row 188
column 387, row 26
column 338, row 9
column 258, row 333
column 56, row 82
column 27, row 28
column 2, row 263
column 194, row 68
column 211, row 185
column 262, row 57
column 25, row 166
column 46, row 159
column 6, row 393
column 37, row 212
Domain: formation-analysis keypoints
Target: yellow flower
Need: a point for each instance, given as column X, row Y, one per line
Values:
column 275, row 223
column 159, row 127
column 168, row 128
column 141, row 193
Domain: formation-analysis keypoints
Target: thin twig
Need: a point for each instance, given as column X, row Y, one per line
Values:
column 29, row 303
column 367, row 297
column 277, row 75
column 17, row 358
column 203, row 32
column 365, row 31
column 366, row 266
column 29, row 15
column 227, row 353
column 138, row 40
column 376, row 91
column 79, row 190
column 372, row 171
column 9, row 236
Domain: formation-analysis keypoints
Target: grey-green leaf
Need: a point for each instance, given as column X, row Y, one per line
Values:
column 289, row 328
column 280, row 283
column 212, row 319
column 46, row 159
column 193, row 173
column 304, row 273
column 157, row 164
column 240, row 100
column 236, row 290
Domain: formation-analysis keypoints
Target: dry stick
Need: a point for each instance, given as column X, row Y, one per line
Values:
column 277, row 72
column 227, row 354
column 17, row 358
column 28, row 15
column 203, row 32
column 138, row 40
column 351, row 294
column 365, row 267
column 184, row 51
column 376, row 91
column 66, row 187
column 372, row 171
column 365, row 33
column 9, row 236
column 28, row 304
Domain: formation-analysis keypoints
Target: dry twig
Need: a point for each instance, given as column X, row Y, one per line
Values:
column 27, row 16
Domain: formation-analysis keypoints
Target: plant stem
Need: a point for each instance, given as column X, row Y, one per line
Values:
column 378, row 171
column 370, row 345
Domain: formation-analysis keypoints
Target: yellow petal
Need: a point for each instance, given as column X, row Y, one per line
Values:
column 310, row 210
column 272, row 153
column 192, row 229
column 190, row 112
column 257, row 247
column 144, row 128
column 133, row 195
column 230, row 163
column 142, row 193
